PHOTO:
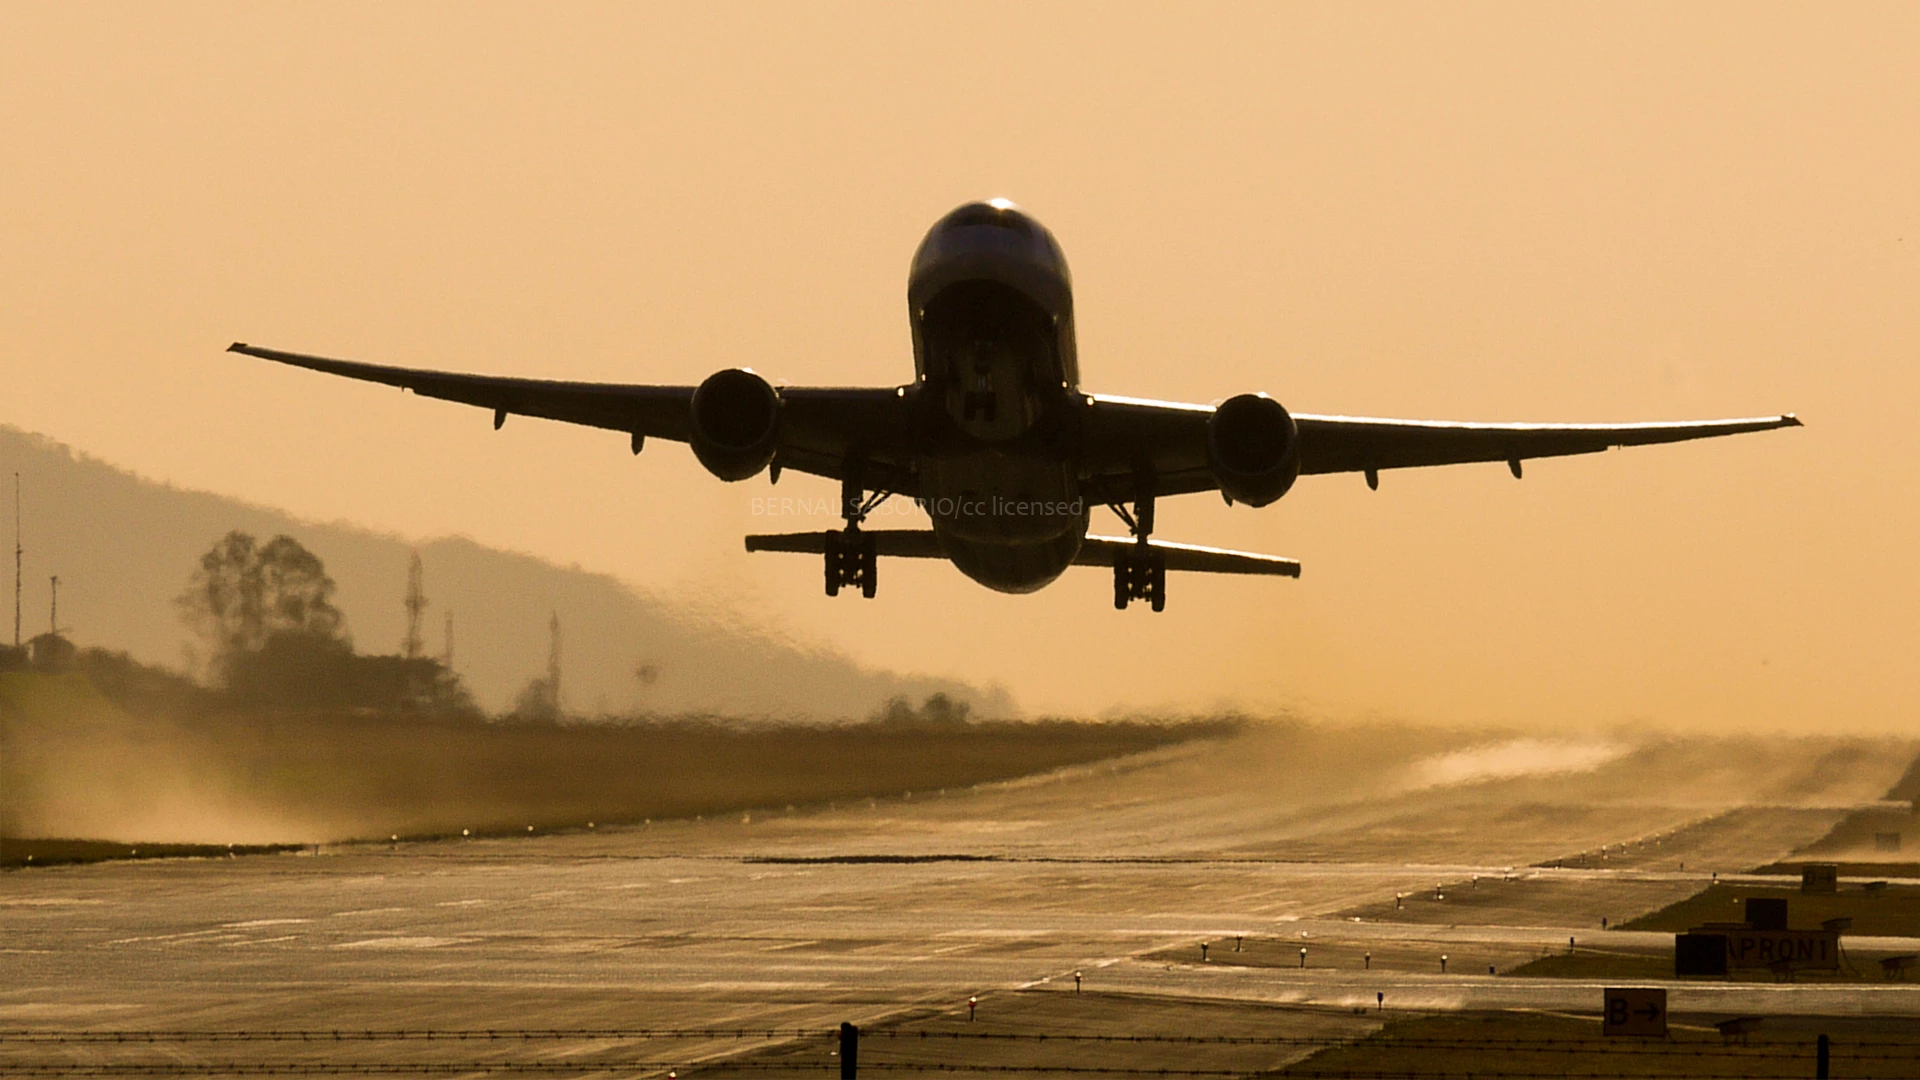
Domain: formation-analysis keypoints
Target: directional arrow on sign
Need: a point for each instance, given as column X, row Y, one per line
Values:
column 1634, row 1011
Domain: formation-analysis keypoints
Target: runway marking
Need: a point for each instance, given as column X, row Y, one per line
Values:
column 370, row 911
column 47, row 901
column 54, row 1010
column 167, row 937
column 251, row 923
column 258, row 941
column 405, row 942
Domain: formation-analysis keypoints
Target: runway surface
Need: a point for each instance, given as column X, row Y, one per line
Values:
column 909, row 906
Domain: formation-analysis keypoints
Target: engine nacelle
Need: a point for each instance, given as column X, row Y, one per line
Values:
column 736, row 423
column 1253, row 447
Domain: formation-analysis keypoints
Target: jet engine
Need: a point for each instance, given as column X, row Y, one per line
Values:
column 736, row 423
column 1253, row 448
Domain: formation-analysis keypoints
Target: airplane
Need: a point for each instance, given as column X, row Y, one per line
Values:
column 995, row 439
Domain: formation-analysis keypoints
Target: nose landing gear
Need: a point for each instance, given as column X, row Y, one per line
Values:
column 851, row 558
column 1140, row 574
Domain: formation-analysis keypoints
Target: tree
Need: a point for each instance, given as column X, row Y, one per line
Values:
column 537, row 702
column 243, row 594
column 294, row 670
column 938, row 711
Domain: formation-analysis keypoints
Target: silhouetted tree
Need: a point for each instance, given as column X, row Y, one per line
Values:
column 243, row 593
column 938, row 711
column 537, row 701
column 274, row 639
column 293, row 669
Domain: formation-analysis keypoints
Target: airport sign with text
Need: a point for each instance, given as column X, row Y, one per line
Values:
column 1634, row 1011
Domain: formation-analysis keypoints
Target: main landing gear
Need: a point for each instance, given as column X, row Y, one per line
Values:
column 851, row 558
column 1140, row 574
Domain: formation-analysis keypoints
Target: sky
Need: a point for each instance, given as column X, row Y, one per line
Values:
column 1481, row 212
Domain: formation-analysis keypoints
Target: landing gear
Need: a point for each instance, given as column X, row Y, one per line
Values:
column 851, row 561
column 1140, row 574
column 851, row 557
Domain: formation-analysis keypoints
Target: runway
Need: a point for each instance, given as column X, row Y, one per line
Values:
column 905, row 907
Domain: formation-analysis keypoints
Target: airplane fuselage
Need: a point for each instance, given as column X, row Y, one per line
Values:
column 997, row 382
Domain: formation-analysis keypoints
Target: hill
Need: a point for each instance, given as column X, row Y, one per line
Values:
column 123, row 547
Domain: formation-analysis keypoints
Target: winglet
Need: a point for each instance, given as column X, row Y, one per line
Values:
column 238, row 346
column 1790, row 420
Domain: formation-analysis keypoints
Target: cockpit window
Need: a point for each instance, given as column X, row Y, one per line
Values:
column 988, row 214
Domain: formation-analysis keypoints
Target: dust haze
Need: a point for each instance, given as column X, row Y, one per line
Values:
column 75, row 763
column 134, row 765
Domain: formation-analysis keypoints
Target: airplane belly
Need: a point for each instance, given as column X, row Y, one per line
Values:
column 1013, row 568
column 997, row 498
column 1009, row 522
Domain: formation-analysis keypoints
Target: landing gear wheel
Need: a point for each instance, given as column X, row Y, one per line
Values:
column 1140, row 575
column 851, row 559
column 836, row 561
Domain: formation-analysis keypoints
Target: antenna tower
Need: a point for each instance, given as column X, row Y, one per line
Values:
column 17, row 549
column 416, row 604
column 446, row 654
column 553, row 662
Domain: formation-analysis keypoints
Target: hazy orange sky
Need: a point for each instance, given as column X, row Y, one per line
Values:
column 1524, row 212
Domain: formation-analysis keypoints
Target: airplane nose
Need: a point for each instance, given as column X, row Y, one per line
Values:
column 992, row 240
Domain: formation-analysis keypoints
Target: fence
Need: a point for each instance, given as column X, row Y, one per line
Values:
column 1578, row 1059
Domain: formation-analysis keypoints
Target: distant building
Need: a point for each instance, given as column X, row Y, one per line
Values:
column 50, row 652
column 13, row 658
column 1820, row 878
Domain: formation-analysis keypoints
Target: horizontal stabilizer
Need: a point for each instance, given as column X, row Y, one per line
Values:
column 1100, row 550
column 1094, row 551
column 893, row 543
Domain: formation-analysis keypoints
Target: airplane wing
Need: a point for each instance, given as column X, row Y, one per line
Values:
column 1170, row 440
column 822, row 429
